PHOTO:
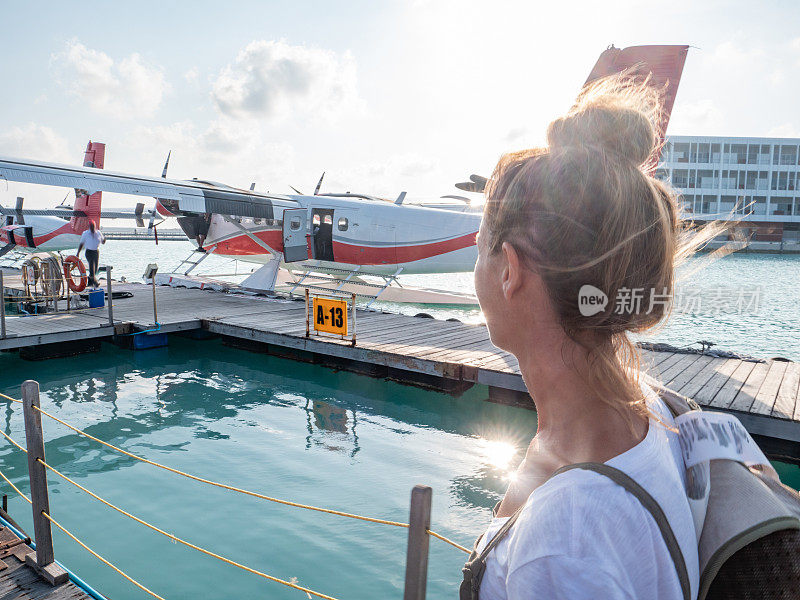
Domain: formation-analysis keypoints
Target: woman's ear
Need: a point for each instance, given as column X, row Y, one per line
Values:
column 512, row 271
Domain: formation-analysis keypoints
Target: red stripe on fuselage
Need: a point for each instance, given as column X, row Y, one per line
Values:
column 22, row 241
column 355, row 254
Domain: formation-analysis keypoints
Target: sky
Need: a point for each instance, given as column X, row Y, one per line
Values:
column 384, row 96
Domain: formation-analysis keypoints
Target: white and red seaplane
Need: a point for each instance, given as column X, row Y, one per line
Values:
column 345, row 235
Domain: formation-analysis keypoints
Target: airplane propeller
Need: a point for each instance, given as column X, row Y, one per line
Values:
column 166, row 165
column 297, row 191
column 319, row 184
column 476, row 184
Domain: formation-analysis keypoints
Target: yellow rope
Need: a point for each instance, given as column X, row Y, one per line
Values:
column 16, row 489
column 100, row 558
column 5, row 435
column 10, row 398
column 222, row 485
column 449, row 541
column 184, row 542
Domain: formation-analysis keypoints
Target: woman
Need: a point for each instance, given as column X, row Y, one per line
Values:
column 584, row 212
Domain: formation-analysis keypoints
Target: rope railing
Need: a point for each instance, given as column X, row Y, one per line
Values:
column 418, row 528
column 71, row 535
column 175, row 538
column 141, row 521
column 100, row 558
column 222, row 485
column 230, row 487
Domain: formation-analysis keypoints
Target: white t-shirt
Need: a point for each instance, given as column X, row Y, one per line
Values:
column 91, row 241
column 580, row 535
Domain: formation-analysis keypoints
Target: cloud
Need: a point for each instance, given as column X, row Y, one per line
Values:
column 192, row 75
column 225, row 150
column 127, row 88
column 269, row 79
column 386, row 177
column 36, row 142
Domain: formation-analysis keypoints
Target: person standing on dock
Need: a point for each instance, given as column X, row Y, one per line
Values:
column 91, row 240
column 568, row 228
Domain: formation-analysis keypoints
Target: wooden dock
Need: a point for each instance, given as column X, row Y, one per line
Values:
column 21, row 582
column 444, row 354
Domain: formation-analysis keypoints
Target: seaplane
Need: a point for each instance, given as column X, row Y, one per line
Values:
column 345, row 235
column 59, row 229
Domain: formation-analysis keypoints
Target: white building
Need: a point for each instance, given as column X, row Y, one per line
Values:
column 754, row 179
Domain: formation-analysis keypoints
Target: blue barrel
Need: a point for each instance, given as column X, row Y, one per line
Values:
column 97, row 298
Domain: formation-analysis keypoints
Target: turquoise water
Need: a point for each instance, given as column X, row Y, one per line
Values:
column 283, row 428
column 288, row 429
column 769, row 329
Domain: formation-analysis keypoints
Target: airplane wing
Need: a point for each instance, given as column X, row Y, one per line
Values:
column 193, row 196
column 68, row 213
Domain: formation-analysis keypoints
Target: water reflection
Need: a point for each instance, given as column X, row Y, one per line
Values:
column 127, row 397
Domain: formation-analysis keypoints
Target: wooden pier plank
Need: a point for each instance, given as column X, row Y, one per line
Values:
column 679, row 380
column 737, row 380
column 786, row 398
column 767, row 394
column 722, row 373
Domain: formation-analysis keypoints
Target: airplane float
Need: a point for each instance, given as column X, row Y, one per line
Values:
column 336, row 233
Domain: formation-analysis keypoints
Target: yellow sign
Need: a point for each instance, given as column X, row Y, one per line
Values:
column 330, row 316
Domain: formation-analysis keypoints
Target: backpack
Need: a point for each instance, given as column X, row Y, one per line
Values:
column 748, row 522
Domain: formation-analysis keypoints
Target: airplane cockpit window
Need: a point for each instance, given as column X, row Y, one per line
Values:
column 328, row 220
column 294, row 224
column 343, row 224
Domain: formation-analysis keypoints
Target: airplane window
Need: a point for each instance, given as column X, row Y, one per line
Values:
column 343, row 224
column 257, row 221
column 315, row 220
column 328, row 220
column 295, row 223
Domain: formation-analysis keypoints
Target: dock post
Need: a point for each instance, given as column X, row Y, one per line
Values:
column 155, row 311
column 2, row 307
column 354, row 319
column 308, row 329
column 43, row 559
column 110, row 306
column 418, row 541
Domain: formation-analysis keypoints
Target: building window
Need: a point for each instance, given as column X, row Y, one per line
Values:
column 343, row 224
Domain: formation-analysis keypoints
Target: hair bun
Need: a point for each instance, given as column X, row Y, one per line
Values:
column 613, row 115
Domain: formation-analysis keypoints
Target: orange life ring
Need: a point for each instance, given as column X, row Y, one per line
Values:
column 69, row 263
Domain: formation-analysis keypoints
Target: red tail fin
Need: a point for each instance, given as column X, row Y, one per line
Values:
column 663, row 63
column 85, row 203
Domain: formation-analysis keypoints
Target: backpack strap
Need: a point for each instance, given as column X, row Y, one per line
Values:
column 476, row 565
column 650, row 504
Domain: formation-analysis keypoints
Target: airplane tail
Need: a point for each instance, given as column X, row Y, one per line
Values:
column 87, row 206
column 664, row 64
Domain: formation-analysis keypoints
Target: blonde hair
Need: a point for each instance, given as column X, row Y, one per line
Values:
column 585, row 211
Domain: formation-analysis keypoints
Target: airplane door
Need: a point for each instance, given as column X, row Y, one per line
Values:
column 295, row 242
